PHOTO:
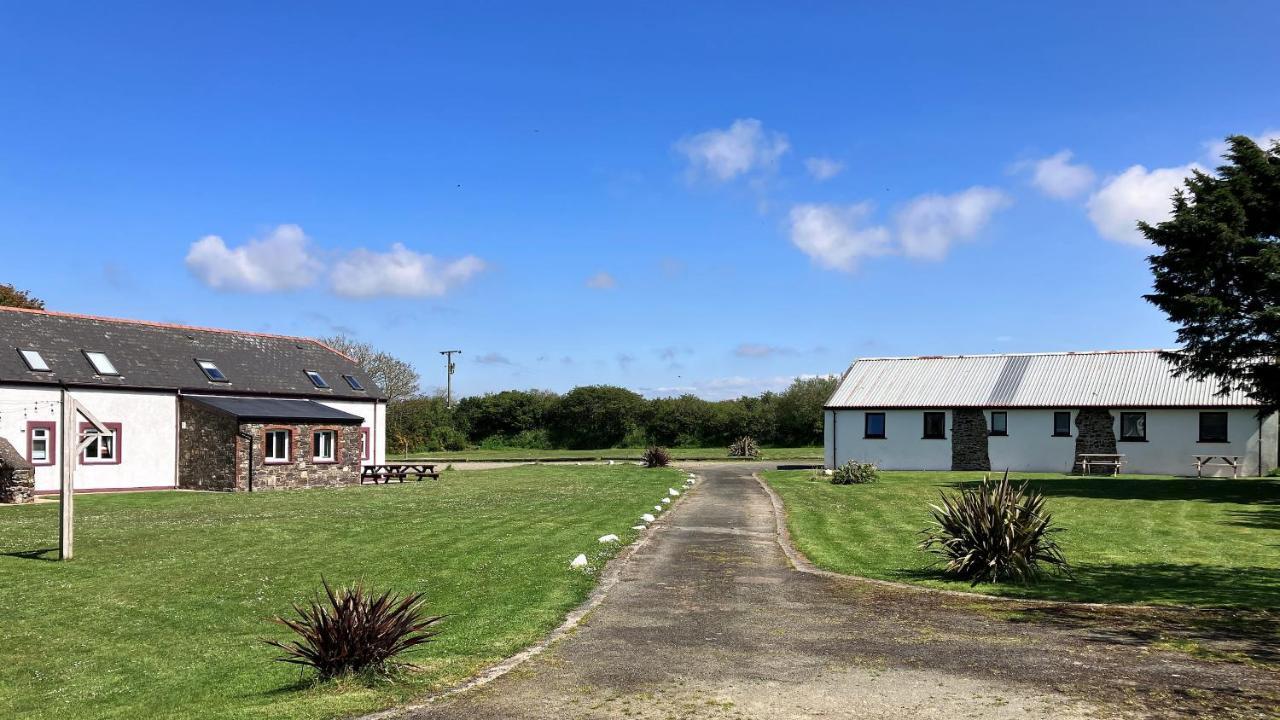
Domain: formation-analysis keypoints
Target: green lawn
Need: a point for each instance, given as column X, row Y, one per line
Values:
column 1159, row 540
column 162, row 611
column 714, row 453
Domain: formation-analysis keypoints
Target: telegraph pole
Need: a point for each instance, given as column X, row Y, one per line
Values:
column 449, row 367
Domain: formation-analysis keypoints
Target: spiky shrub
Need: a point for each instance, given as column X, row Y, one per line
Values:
column 995, row 532
column 656, row 456
column 351, row 629
column 855, row 473
column 744, row 446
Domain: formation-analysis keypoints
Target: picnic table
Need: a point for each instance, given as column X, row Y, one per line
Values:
column 1204, row 461
column 398, row 471
column 1088, row 461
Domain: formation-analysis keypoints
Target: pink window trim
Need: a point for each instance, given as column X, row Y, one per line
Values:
column 366, row 449
column 266, row 432
column 52, row 456
column 114, row 427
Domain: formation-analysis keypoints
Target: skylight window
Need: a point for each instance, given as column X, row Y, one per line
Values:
column 35, row 362
column 211, row 371
column 353, row 382
column 317, row 379
column 101, row 363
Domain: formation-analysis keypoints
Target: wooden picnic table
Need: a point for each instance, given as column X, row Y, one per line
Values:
column 398, row 471
column 1086, row 461
column 1204, row 461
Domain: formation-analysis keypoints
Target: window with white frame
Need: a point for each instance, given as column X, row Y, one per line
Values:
column 101, row 448
column 323, row 444
column 41, row 445
column 101, row 363
column 365, row 446
column 276, row 447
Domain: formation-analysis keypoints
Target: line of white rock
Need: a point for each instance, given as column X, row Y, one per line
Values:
column 581, row 562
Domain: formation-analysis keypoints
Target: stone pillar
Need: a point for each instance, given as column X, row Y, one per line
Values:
column 17, row 477
column 969, row 440
column 1095, row 433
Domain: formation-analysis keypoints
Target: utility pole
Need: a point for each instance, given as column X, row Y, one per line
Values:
column 450, row 367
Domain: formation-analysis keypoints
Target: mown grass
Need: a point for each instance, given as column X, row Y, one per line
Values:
column 162, row 612
column 1134, row 539
column 511, row 454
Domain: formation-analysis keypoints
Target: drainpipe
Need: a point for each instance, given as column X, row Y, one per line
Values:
column 249, row 437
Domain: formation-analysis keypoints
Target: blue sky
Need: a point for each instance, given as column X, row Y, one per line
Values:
column 711, row 197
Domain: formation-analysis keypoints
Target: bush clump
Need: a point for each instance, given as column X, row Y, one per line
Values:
column 655, row 456
column 352, row 630
column 994, row 532
column 744, row 446
column 855, row 473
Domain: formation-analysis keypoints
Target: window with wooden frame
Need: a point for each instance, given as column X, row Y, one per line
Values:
column 324, row 446
column 102, row 448
column 1133, row 426
column 935, row 426
column 1062, row 423
column 42, row 443
column 999, row 423
column 366, row 444
column 275, row 446
column 1213, row 427
column 874, row 426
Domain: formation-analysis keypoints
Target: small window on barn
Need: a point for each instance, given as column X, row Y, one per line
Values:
column 1000, row 423
column 34, row 360
column 1213, row 427
column 323, row 443
column 353, row 382
column 101, row 448
column 42, row 443
column 317, row 379
column 1133, row 426
column 1062, row 424
column 276, row 447
column 935, row 426
column 101, row 363
column 366, row 447
column 212, row 372
column 875, row 425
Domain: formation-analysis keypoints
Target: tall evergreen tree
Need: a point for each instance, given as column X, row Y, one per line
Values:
column 1217, row 272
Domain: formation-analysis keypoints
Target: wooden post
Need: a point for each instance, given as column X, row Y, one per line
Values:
column 66, row 496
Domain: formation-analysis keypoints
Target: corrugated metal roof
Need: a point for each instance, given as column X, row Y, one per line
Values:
column 275, row 409
column 1122, row 378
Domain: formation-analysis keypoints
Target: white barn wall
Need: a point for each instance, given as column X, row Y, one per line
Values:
column 1030, row 445
column 903, row 447
column 20, row 405
column 375, row 418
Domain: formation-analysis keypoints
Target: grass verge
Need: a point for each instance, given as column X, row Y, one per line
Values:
column 162, row 612
column 519, row 454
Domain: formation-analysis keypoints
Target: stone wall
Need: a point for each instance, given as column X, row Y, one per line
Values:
column 969, row 440
column 17, row 477
column 300, row 471
column 1095, row 433
column 206, row 448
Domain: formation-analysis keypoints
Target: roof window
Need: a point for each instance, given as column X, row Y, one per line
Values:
column 35, row 362
column 317, row 379
column 101, row 363
column 212, row 372
column 353, row 382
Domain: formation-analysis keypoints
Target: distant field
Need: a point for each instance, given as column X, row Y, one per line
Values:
column 714, row 453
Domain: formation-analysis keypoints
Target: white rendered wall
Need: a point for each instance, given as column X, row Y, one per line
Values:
column 1030, row 445
column 375, row 418
column 903, row 447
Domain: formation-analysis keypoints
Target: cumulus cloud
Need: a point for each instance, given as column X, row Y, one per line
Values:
column 759, row 350
column 1133, row 195
column 602, row 281
column 282, row 260
column 1057, row 177
column 493, row 358
column 821, row 168
column 400, row 272
column 743, row 147
column 834, row 236
column 1215, row 149
column 930, row 224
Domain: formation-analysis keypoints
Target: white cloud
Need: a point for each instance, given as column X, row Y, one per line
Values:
column 758, row 350
column 929, row 224
column 602, row 281
column 741, row 148
column 400, row 272
column 832, row 235
column 1057, row 177
column 1215, row 149
column 282, row 260
column 1133, row 195
column 494, row 358
column 821, row 168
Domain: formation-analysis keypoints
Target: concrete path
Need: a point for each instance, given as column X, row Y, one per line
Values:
column 709, row 620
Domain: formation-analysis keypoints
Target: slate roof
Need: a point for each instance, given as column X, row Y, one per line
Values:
column 161, row 356
column 1111, row 379
column 274, row 409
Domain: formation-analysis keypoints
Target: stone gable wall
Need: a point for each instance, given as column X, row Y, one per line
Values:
column 1095, row 433
column 969, row 440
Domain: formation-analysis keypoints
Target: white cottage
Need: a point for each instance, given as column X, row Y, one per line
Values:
column 1041, row 412
column 186, row 407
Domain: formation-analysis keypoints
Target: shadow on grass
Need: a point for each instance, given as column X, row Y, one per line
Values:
column 1266, row 517
column 45, row 554
column 1257, row 491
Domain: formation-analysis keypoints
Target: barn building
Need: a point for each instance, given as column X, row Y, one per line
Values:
column 1043, row 412
column 186, row 407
